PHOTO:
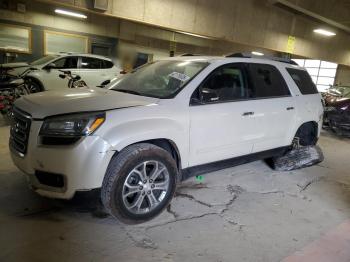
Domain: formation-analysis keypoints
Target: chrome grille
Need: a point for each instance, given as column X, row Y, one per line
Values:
column 20, row 128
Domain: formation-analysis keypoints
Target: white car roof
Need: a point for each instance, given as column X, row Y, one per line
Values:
column 215, row 59
column 86, row 55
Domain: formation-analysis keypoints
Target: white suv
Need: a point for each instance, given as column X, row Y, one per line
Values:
column 160, row 124
column 93, row 69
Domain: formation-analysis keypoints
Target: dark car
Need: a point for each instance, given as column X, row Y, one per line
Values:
column 337, row 109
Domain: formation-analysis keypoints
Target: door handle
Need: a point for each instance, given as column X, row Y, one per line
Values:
column 248, row 114
column 290, row 108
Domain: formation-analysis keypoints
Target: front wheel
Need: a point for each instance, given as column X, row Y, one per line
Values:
column 33, row 86
column 139, row 183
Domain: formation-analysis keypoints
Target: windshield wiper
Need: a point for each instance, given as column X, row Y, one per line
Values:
column 128, row 91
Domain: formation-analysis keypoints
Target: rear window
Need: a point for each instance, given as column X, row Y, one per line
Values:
column 107, row 64
column 91, row 63
column 303, row 80
column 267, row 81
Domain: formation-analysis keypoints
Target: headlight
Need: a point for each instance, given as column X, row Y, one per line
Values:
column 74, row 125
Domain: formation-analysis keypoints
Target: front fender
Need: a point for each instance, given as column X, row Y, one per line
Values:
column 136, row 131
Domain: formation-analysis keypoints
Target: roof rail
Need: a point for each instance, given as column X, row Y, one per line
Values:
column 249, row 55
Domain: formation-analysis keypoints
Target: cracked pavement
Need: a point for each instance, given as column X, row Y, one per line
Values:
column 245, row 213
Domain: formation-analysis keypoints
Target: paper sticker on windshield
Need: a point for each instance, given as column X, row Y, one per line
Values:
column 179, row 76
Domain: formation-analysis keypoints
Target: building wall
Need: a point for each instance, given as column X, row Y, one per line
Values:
column 40, row 17
column 43, row 15
column 143, row 38
column 343, row 75
column 249, row 22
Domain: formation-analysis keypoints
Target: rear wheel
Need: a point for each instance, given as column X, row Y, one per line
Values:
column 307, row 134
column 139, row 183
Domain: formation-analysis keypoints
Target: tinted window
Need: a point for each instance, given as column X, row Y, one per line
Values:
column 226, row 83
column 267, row 81
column 303, row 81
column 66, row 63
column 91, row 63
column 107, row 64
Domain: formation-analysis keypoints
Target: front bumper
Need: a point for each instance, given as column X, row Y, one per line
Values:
column 81, row 165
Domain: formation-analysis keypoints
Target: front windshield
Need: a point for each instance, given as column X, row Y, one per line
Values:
column 43, row 60
column 162, row 79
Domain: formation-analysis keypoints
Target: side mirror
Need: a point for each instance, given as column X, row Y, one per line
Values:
column 196, row 101
column 209, row 95
column 50, row 66
column 63, row 76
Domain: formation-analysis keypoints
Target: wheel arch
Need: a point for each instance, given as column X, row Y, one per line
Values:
column 164, row 143
column 308, row 133
column 37, row 80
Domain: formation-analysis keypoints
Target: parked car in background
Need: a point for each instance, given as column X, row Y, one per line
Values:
column 337, row 109
column 163, row 122
column 93, row 69
column 11, row 88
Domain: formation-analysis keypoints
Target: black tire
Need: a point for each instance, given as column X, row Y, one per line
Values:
column 307, row 134
column 33, row 85
column 117, row 172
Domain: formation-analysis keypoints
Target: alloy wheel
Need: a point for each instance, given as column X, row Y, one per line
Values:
column 145, row 187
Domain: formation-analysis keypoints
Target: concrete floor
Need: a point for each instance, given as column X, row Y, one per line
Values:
column 246, row 213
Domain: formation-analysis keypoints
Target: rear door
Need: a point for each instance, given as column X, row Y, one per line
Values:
column 274, row 107
column 309, row 101
column 222, row 125
column 94, row 71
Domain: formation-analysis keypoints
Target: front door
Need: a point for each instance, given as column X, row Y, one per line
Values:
column 51, row 79
column 222, row 123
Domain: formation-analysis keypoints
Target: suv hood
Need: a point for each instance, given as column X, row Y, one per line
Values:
column 67, row 101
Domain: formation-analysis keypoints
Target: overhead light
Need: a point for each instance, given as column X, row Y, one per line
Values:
column 257, row 53
column 324, row 32
column 70, row 13
column 191, row 34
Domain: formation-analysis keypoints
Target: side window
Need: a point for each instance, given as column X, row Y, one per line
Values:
column 267, row 81
column 91, row 63
column 107, row 64
column 70, row 62
column 226, row 83
column 303, row 80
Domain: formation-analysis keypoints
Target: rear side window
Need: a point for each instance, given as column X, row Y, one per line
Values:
column 107, row 64
column 267, row 81
column 91, row 63
column 303, row 80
